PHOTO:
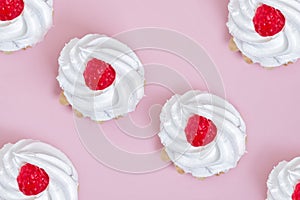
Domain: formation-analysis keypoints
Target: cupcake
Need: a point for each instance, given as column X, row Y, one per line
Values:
column 265, row 31
column 284, row 181
column 31, row 169
column 202, row 134
column 100, row 77
column 23, row 23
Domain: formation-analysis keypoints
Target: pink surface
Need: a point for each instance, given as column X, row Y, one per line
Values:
column 267, row 99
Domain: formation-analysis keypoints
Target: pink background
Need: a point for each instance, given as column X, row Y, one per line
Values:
column 267, row 99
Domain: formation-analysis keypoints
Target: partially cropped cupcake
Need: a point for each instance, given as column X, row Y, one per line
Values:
column 31, row 169
column 23, row 23
column 202, row 134
column 284, row 181
column 101, row 77
column 265, row 31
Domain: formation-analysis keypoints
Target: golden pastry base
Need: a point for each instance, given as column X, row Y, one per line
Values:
column 165, row 157
column 63, row 101
column 232, row 46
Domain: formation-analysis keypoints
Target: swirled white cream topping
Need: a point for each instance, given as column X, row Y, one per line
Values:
column 270, row 51
column 220, row 155
column 63, row 182
column 27, row 29
column 119, row 98
column 283, row 180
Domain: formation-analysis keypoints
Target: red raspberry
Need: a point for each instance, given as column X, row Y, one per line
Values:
column 10, row 9
column 32, row 180
column 200, row 131
column 268, row 21
column 296, row 194
column 98, row 74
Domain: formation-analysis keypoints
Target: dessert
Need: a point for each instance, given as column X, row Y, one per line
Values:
column 202, row 134
column 101, row 78
column 284, row 181
column 23, row 23
column 31, row 169
column 265, row 31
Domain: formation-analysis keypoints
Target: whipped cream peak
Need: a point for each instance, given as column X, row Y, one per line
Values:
column 121, row 97
column 283, row 180
column 27, row 29
column 222, row 153
column 271, row 51
column 63, row 176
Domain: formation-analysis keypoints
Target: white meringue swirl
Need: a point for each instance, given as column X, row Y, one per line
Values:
column 283, row 180
column 118, row 99
column 27, row 29
column 221, row 154
column 270, row 51
column 63, row 182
